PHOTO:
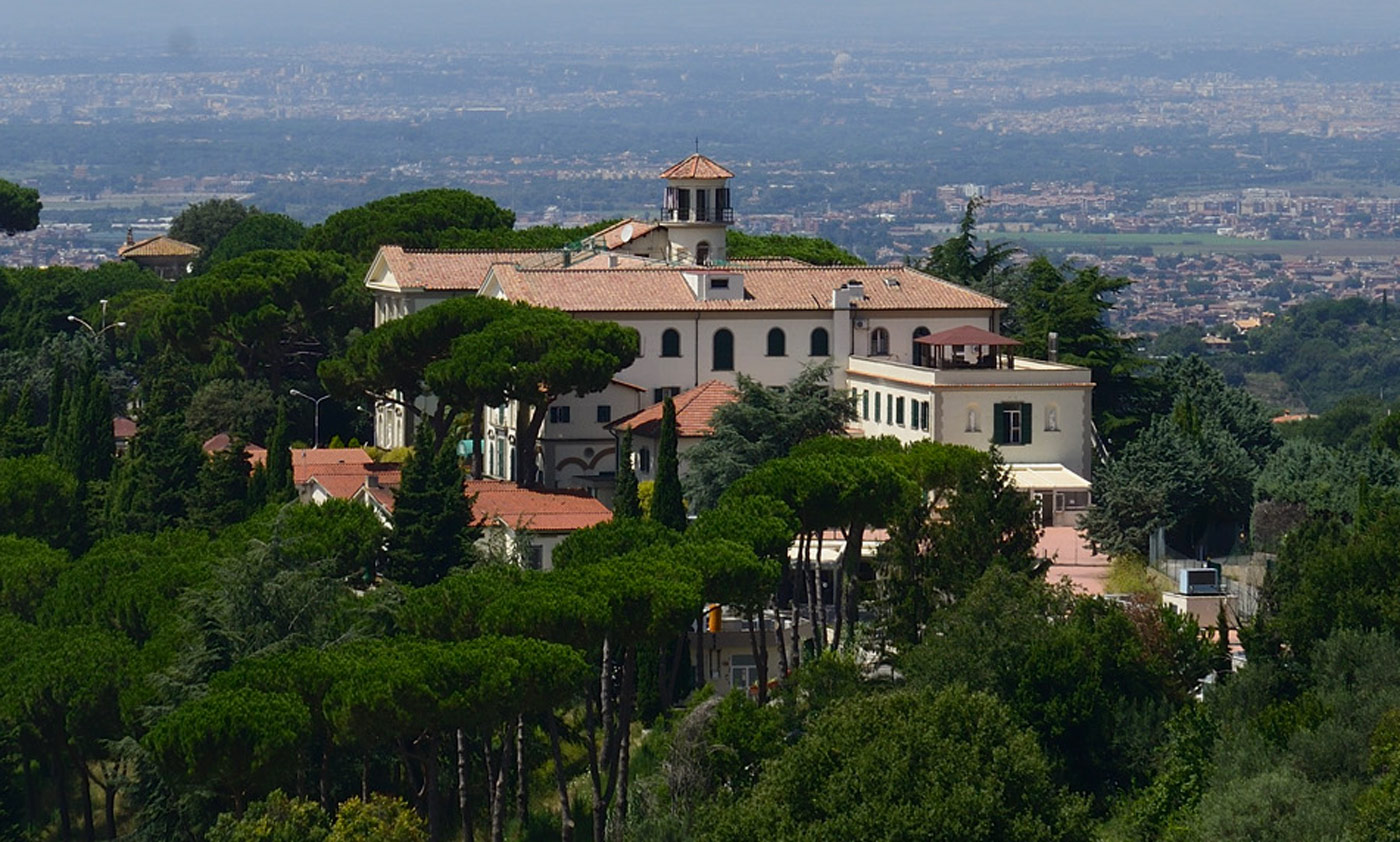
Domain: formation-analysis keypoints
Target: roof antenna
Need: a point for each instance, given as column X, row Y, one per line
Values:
column 697, row 144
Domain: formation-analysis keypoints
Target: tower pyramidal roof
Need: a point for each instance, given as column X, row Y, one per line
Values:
column 699, row 167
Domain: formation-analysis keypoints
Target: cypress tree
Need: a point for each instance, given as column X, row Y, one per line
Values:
column 82, row 437
column 151, row 491
column 667, row 502
column 276, row 485
column 221, row 493
column 625, row 502
column 433, row 530
column 21, row 437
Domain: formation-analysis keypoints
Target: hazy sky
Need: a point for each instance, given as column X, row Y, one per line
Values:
column 154, row 24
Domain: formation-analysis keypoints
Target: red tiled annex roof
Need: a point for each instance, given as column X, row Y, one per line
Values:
column 538, row 510
column 966, row 335
column 339, row 486
column 697, row 166
column 308, row 462
column 694, row 409
column 158, row 246
column 623, row 232
column 443, row 269
column 789, row 287
column 123, row 427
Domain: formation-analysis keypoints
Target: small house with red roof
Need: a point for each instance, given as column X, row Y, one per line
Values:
column 166, row 256
column 531, row 521
column 320, row 474
column 694, row 410
column 257, row 454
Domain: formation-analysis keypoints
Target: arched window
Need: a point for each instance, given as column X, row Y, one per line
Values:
column 777, row 343
column 921, row 351
column 702, row 253
column 821, row 342
column 879, row 342
column 723, row 350
column 670, row 342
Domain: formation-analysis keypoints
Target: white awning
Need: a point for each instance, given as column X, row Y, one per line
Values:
column 1046, row 477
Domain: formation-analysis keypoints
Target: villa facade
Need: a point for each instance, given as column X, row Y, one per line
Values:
column 920, row 354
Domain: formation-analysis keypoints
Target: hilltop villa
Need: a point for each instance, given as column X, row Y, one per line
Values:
column 922, row 356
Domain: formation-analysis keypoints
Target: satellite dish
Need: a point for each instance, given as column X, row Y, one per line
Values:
column 626, row 233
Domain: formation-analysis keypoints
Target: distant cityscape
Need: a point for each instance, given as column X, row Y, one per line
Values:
column 1226, row 185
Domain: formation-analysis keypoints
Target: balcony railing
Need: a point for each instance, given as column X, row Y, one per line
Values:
column 698, row 214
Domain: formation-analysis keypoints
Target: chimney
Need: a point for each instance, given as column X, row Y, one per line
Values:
column 1052, row 347
column 130, row 240
column 613, row 261
column 857, row 289
column 568, row 258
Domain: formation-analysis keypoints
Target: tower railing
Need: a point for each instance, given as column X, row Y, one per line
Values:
column 697, row 214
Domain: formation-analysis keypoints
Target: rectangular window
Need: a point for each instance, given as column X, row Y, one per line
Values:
column 899, row 411
column 1012, row 422
column 719, row 283
column 865, row 405
column 743, row 672
column 923, row 421
column 877, row 407
column 889, row 409
column 558, row 415
column 533, row 556
column 660, row 394
column 604, row 413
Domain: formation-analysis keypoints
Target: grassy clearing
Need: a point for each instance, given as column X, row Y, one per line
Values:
column 1133, row 576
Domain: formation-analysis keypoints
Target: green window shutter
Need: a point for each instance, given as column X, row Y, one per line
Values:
column 998, row 424
column 1026, row 423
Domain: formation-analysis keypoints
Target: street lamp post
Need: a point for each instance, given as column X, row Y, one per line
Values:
column 316, row 428
column 103, row 327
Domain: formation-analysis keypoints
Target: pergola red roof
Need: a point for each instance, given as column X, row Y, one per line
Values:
column 966, row 335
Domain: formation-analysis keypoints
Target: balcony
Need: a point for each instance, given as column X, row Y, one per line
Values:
column 725, row 215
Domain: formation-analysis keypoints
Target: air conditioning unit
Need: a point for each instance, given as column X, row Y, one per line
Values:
column 1200, row 580
column 860, row 324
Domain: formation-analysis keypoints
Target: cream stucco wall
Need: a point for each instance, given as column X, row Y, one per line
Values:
column 961, row 406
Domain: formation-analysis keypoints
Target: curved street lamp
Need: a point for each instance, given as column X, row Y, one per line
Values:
column 103, row 327
column 316, row 434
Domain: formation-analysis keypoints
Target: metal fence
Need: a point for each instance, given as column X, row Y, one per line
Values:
column 1241, row 576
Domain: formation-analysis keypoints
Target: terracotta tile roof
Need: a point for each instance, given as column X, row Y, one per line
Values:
column 694, row 409
column 381, row 495
column 767, row 263
column 444, row 269
column 966, row 335
column 158, row 246
column 257, row 455
column 308, row 462
column 123, row 427
column 345, row 481
column 793, row 286
column 697, row 166
column 538, row 510
column 340, row 486
column 623, row 233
